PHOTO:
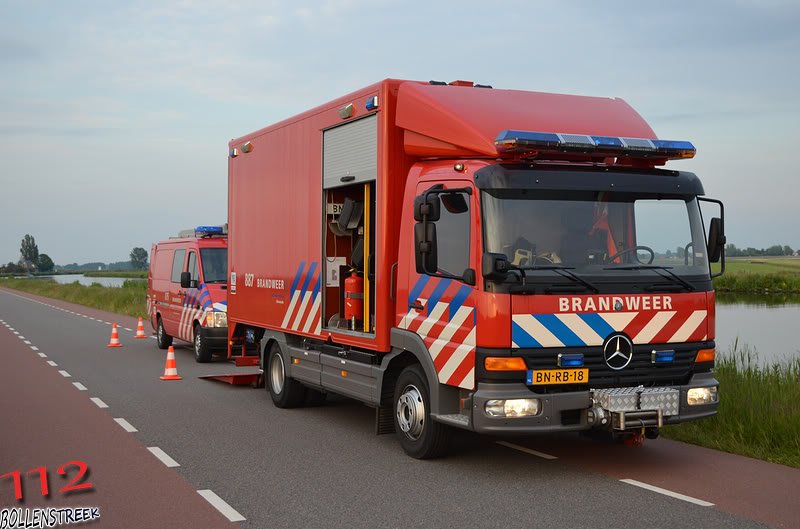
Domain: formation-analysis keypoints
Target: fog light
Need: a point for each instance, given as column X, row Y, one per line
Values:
column 512, row 407
column 697, row 396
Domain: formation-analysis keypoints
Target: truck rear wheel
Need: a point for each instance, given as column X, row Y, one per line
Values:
column 202, row 352
column 163, row 339
column 285, row 392
column 420, row 437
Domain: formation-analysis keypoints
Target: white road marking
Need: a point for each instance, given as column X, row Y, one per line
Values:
column 106, row 322
column 65, row 374
column 80, row 386
column 161, row 455
column 218, row 503
column 50, row 362
column 127, row 329
column 526, row 450
column 20, row 337
column 666, row 492
column 34, row 348
column 42, row 355
column 128, row 427
column 15, row 332
column 27, row 342
column 100, row 403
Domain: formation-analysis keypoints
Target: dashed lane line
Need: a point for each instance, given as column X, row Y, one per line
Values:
column 163, row 457
column 99, row 402
column 64, row 374
column 128, row 427
column 526, row 450
column 666, row 492
column 221, row 505
column 34, row 348
column 42, row 355
column 80, row 386
column 51, row 363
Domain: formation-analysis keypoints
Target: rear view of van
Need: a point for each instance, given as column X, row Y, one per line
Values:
column 187, row 290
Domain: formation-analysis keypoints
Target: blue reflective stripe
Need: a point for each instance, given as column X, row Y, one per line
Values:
column 598, row 324
column 459, row 299
column 309, row 275
column 522, row 338
column 297, row 276
column 316, row 288
column 418, row 288
column 437, row 294
column 561, row 331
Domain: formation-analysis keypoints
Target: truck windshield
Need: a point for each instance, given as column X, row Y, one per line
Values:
column 618, row 236
column 215, row 264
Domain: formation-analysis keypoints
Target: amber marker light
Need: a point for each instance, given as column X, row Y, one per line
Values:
column 504, row 363
column 706, row 355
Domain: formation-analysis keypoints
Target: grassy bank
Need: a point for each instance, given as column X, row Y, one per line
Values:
column 758, row 414
column 129, row 299
column 760, row 275
column 129, row 274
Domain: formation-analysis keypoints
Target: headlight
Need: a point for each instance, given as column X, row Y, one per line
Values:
column 217, row 319
column 512, row 407
column 697, row 396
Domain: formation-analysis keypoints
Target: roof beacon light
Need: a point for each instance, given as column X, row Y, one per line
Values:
column 510, row 141
column 372, row 103
column 208, row 230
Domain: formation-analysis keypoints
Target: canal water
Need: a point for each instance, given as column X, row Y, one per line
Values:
column 83, row 280
column 768, row 324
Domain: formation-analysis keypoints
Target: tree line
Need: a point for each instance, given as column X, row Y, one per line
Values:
column 31, row 261
column 773, row 251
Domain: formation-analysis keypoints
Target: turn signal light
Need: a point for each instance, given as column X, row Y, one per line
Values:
column 706, row 355
column 504, row 363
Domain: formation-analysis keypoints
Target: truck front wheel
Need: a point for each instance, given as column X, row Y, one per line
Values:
column 163, row 339
column 202, row 352
column 420, row 437
column 285, row 392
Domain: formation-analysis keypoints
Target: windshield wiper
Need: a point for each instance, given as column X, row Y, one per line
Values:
column 672, row 276
column 563, row 271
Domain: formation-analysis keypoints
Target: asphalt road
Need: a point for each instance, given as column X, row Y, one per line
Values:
column 324, row 467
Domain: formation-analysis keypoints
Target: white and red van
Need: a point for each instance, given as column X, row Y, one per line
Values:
column 187, row 290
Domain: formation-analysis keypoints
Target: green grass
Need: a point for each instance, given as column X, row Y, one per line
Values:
column 758, row 415
column 762, row 265
column 129, row 299
column 131, row 274
column 759, row 275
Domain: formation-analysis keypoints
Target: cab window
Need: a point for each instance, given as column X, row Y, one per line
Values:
column 191, row 267
column 177, row 265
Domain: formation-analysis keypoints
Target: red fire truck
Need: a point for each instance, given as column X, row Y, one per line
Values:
column 458, row 256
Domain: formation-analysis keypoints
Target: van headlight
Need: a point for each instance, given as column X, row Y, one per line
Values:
column 698, row 396
column 217, row 319
column 512, row 407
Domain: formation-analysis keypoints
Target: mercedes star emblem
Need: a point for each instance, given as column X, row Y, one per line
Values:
column 618, row 351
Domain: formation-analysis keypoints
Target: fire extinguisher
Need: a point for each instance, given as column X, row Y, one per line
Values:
column 354, row 299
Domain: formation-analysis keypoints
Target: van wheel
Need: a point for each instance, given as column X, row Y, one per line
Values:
column 420, row 437
column 163, row 339
column 285, row 392
column 202, row 352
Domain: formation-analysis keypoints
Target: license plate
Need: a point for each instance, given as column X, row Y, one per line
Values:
column 558, row 376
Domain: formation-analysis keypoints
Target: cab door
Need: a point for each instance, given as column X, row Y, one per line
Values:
column 175, row 295
column 441, row 305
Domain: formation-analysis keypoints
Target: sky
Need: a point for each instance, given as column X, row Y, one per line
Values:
column 115, row 116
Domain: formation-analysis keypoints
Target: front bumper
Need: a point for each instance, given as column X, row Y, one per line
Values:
column 216, row 337
column 564, row 412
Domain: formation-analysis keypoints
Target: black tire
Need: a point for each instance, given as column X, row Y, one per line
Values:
column 285, row 392
column 202, row 352
column 163, row 339
column 420, row 437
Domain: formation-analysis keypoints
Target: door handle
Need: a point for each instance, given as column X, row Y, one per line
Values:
column 416, row 305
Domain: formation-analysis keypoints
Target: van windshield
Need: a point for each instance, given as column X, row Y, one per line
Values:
column 215, row 264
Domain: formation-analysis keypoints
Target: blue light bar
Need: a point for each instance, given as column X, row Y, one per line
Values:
column 662, row 357
column 372, row 103
column 598, row 146
column 209, row 230
column 570, row 360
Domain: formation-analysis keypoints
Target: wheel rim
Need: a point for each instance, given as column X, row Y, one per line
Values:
column 411, row 412
column 197, row 343
column 160, row 331
column 277, row 374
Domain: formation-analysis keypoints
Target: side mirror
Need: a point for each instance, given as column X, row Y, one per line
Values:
column 469, row 277
column 431, row 208
column 186, row 280
column 455, row 203
column 425, row 248
column 716, row 240
column 495, row 265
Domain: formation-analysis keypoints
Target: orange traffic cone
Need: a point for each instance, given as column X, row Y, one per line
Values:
column 140, row 329
column 114, row 337
column 170, row 369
